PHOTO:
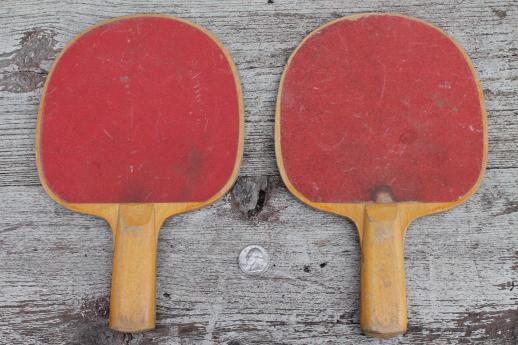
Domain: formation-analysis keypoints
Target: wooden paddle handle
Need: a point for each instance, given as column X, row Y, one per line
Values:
column 132, row 302
column 383, row 292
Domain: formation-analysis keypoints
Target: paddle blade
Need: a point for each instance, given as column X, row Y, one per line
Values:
column 380, row 103
column 140, row 109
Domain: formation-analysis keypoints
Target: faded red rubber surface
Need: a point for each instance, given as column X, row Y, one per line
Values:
column 143, row 109
column 381, row 102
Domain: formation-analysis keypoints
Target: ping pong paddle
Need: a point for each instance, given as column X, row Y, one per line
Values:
column 380, row 118
column 141, row 118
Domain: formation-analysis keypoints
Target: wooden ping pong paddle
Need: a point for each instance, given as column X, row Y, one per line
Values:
column 141, row 118
column 380, row 118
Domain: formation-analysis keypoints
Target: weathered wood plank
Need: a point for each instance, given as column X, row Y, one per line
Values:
column 462, row 266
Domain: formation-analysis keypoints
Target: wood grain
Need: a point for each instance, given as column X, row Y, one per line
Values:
column 462, row 266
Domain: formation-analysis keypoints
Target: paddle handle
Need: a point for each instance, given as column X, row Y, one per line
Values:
column 383, row 292
column 132, row 302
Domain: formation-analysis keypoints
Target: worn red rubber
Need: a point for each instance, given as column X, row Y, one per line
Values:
column 381, row 102
column 142, row 109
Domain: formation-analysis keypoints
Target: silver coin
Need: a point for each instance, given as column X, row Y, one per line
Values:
column 254, row 259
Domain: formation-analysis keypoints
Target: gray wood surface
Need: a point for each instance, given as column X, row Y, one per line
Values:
column 462, row 266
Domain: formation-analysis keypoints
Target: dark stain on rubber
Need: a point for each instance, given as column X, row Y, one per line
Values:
column 382, row 194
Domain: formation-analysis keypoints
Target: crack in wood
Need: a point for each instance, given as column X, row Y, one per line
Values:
column 22, row 71
column 499, row 13
column 510, row 208
column 250, row 196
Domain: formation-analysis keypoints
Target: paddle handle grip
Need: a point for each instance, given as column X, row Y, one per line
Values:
column 383, row 289
column 132, row 302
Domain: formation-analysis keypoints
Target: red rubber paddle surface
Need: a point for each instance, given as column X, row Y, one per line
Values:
column 142, row 109
column 381, row 103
